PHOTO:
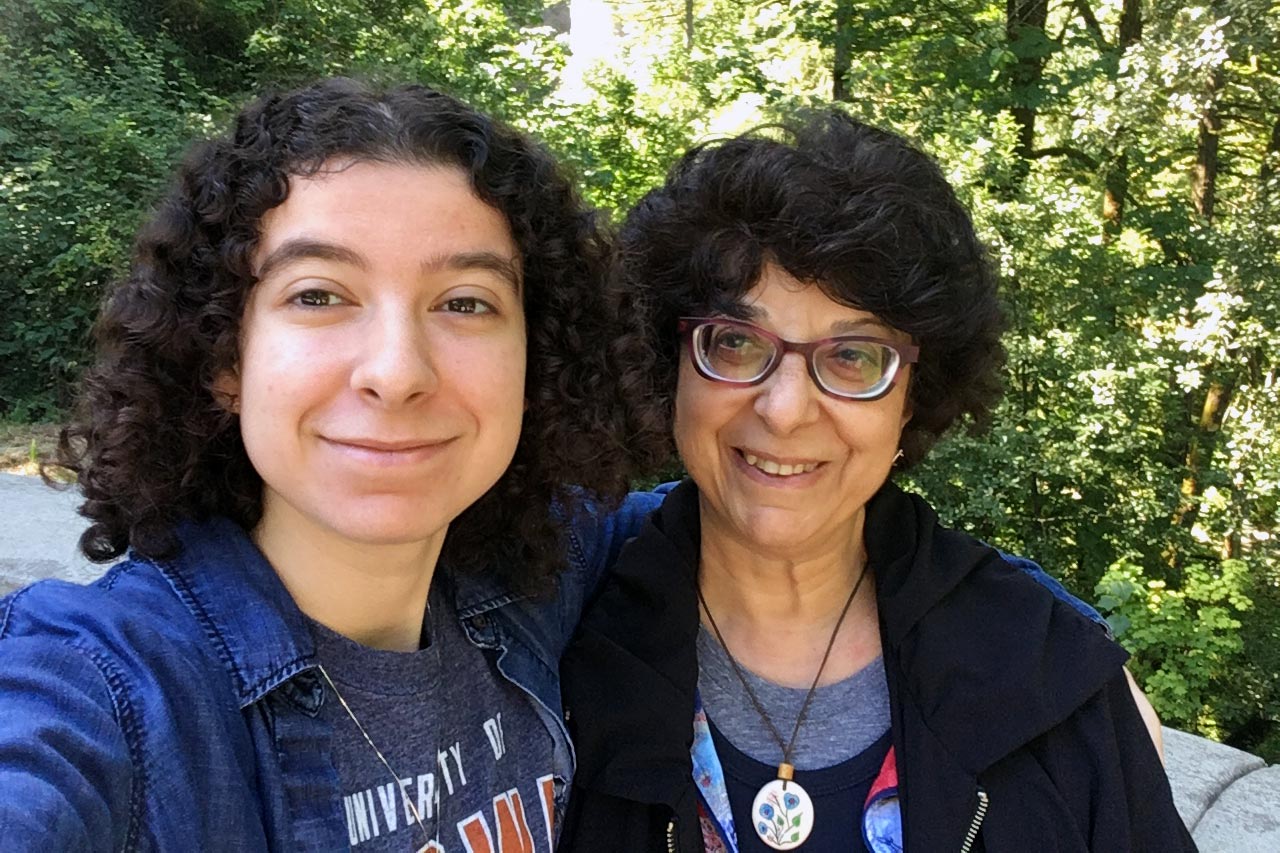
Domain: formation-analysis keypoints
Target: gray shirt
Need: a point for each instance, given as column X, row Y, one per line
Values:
column 843, row 719
column 467, row 748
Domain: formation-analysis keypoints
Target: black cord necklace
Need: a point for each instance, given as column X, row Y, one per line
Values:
column 782, row 814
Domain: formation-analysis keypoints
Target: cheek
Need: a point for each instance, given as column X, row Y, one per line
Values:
column 492, row 378
column 685, row 417
column 279, row 367
column 696, row 422
column 876, row 431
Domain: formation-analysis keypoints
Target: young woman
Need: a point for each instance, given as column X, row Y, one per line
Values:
column 361, row 339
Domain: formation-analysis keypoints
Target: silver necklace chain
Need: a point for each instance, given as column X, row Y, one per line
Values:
column 417, row 816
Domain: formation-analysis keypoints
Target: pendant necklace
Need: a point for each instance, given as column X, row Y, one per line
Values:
column 782, row 814
column 432, row 843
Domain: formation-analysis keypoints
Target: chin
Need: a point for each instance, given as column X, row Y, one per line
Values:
column 388, row 526
column 772, row 532
column 784, row 545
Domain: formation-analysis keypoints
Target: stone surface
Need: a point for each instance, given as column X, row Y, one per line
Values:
column 39, row 529
column 1200, row 770
column 1245, row 818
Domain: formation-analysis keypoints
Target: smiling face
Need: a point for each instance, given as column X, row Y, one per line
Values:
column 782, row 466
column 381, row 377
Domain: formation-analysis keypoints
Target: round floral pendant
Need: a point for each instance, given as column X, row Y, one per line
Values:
column 782, row 815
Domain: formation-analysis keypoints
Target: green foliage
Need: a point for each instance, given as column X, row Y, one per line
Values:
column 91, row 117
column 1186, row 642
column 1137, row 451
column 619, row 145
column 496, row 55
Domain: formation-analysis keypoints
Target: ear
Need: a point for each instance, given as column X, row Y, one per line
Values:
column 908, row 409
column 226, row 391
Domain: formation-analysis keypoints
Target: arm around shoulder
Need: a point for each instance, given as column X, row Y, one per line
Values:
column 1149, row 716
column 598, row 535
column 1156, row 825
column 66, row 774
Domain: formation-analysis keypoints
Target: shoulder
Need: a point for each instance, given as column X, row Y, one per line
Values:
column 595, row 536
column 598, row 533
column 1032, row 570
column 132, row 598
column 1027, row 655
column 129, row 632
column 1097, row 769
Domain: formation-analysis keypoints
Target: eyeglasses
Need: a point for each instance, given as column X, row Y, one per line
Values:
column 851, row 367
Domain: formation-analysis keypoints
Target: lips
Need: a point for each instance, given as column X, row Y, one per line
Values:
column 776, row 467
column 384, row 446
column 375, row 452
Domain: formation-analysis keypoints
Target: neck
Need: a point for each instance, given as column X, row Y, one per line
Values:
column 777, row 615
column 373, row 594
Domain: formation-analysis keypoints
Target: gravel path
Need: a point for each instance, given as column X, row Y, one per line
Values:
column 39, row 529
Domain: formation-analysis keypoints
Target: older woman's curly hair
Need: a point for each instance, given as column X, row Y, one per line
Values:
column 152, row 443
column 854, row 210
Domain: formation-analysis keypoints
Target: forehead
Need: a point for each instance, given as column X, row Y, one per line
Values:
column 785, row 305
column 386, row 210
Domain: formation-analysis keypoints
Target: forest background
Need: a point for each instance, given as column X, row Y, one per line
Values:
column 1121, row 157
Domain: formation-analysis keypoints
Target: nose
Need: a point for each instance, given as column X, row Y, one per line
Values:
column 396, row 365
column 788, row 399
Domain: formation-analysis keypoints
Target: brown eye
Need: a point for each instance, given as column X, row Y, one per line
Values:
column 736, row 345
column 468, row 305
column 316, row 298
column 854, row 367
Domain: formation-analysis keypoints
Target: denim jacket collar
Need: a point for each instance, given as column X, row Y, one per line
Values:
column 261, row 636
column 475, row 594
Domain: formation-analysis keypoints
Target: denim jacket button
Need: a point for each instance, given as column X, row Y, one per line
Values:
column 480, row 621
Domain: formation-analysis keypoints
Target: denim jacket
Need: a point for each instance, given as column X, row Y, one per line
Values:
column 172, row 705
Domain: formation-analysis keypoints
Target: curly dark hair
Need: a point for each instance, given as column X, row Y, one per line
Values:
column 153, row 445
column 854, row 210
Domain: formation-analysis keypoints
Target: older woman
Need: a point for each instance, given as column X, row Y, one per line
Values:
column 794, row 652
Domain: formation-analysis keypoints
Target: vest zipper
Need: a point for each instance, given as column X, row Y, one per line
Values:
column 671, row 836
column 972, row 834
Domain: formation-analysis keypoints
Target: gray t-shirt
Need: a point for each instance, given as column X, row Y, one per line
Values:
column 843, row 719
column 468, row 747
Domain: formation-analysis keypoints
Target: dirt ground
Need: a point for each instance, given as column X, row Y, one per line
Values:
column 15, row 446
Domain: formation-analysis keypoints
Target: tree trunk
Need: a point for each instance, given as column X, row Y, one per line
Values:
column 1025, row 19
column 1204, row 185
column 1270, row 160
column 843, row 53
column 1204, row 195
column 1113, row 196
column 688, row 26
column 1117, row 172
column 1201, row 448
column 1130, row 24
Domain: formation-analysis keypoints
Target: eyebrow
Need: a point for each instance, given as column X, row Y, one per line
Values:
column 755, row 314
column 302, row 249
column 853, row 327
column 507, row 269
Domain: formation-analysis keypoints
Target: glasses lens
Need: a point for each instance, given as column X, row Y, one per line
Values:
column 732, row 352
column 856, row 368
